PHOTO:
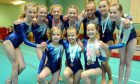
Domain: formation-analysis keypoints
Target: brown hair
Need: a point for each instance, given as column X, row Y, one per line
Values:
column 91, row 24
column 91, row 2
column 56, row 5
column 74, row 7
column 119, row 7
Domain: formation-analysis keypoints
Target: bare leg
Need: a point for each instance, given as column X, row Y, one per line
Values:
column 42, row 76
column 90, row 74
column 21, row 63
column 103, row 75
column 131, row 47
column 77, row 77
column 106, row 67
column 11, row 54
column 55, row 77
column 68, row 76
column 122, row 64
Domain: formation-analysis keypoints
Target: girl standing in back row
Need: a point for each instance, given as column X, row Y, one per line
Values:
column 127, row 52
column 13, row 41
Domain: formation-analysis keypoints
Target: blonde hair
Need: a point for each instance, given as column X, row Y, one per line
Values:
column 56, row 5
column 74, row 7
column 23, row 15
column 53, row 29
column 41, row 6
column 72, row 28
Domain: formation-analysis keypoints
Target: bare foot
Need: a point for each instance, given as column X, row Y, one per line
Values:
column 8, row 81
column 110, row 82
column 103, row 81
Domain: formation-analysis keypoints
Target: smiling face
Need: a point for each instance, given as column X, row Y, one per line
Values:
column 104, row 7
column 115, row 12
column 42, row 13
column 91, row 31
column 56, row 35
column 31, row 12
column 56, row 12
column 90, row 9
column 72, row 13
column 72, row 35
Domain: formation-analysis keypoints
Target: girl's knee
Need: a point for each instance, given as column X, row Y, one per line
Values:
column 15, row 65
column 83, row 75
column 5, row 43
column 66, row 74
column 40, row 78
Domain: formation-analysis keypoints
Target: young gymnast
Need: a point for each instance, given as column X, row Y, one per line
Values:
column 106, row 30
column 92, row 54
column 73, row 19
column 53, row 55
column 73, row 69
column 127, row 52
column 40, row 28
column 55, row 18
column 13, row 41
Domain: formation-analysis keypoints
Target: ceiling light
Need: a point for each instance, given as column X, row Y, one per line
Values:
column 18, row 2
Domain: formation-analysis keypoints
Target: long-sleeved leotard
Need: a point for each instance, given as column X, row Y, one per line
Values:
column 72, row 59
column 126, row 36
column 20, row 34
column 39, row 32
column 54, row 58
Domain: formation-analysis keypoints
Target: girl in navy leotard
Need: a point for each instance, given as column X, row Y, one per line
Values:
column 40, row 29
column 106, row 30
column 13, row 41
column 53, row 55
column 73, row 69
column 55, row 19
column 73, row 19
column 127, row 52
column 92, row 54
